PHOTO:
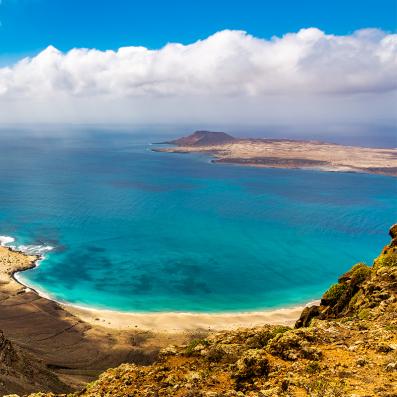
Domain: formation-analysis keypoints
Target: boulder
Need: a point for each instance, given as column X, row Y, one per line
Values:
column 253, row 363
column 393, row 231
column 307, row 315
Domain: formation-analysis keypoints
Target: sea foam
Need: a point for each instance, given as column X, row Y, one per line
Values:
column 5, row 240
column 35, row 249
column 30, row 249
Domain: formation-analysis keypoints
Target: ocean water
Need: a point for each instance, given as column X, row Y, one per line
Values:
column 135, row 230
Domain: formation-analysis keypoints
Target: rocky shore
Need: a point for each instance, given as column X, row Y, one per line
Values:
column 286, row 153
column 345, row 346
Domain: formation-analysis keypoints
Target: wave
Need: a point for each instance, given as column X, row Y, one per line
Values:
column 5, row 240
column 29, row 249
column 35, row 249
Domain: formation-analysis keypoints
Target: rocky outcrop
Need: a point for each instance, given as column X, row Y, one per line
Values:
column 19, row 372
column 393, row 235
column 203, row 138
column 252, row 364
column 360, row 292
column 307, row 315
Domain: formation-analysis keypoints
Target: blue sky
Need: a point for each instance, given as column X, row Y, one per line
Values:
column 28, row 26
column 308, row 63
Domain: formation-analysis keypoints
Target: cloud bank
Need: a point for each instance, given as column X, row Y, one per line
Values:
column 229, row 77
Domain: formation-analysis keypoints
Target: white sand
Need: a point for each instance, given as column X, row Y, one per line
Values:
column 169, row 321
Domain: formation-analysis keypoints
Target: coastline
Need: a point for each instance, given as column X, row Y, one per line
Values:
column 172, row 322
column 75, row 350
column 184, row 321
column 293, row 154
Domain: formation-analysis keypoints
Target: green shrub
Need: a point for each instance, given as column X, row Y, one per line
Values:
column 359, row 273
column 387, row 260
column 313, row 367
column 335, row 292
column 215, row 355
column 364, row 314
column 391, row 327
column 280, row 329
column 193, row 344
column 321, row 387
column 262, row 338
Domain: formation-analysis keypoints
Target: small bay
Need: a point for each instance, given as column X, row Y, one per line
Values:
column 135, row 230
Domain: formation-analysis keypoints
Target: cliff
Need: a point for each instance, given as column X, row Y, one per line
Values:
column 346, row 346
column 21, row 372
column 362, row 292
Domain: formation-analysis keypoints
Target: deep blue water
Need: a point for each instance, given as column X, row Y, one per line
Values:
column 143, row 231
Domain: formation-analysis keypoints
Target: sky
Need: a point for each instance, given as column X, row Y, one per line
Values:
column 29, row 26
column 206, row 63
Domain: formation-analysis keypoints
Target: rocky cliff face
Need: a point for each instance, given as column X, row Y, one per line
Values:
column 363, row 292
column 346, row 346
column 19, row 372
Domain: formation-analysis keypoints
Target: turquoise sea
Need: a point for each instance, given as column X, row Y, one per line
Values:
column 135, row 230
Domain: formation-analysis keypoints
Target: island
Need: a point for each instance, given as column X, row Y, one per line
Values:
column 286, row 153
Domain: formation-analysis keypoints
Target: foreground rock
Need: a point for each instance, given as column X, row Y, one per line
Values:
column 347, row 346
column 363, row 292
column 21, row 372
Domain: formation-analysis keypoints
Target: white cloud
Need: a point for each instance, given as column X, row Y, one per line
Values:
column 308, row 74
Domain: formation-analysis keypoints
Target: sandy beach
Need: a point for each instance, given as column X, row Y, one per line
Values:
column 79, row 343
column 176, row 322
column 13, row 262
column 74, row 349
